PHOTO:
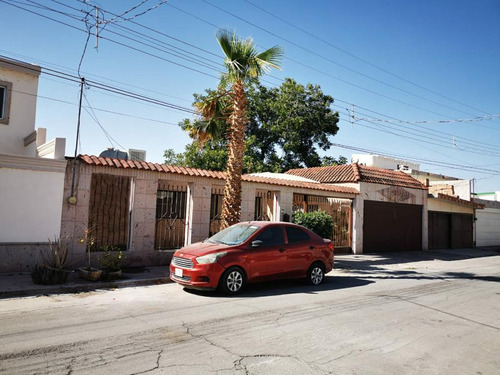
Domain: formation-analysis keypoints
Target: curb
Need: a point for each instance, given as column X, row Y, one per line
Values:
column 80, row 288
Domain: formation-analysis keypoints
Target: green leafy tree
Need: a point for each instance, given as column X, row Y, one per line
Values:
column 288, row 124
column 287, row 127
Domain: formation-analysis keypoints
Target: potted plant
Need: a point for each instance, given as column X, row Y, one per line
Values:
column 52, row 271
column 89, row 273
column 111, row 261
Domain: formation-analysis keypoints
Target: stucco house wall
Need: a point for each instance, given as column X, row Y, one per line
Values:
column 31, row 180
column 373, row 192
column 31, row 203
column 488, row 223
column 143, row 199
column 22, row 112
column 449, row 207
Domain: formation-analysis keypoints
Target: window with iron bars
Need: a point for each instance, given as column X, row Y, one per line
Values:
column 170, row 204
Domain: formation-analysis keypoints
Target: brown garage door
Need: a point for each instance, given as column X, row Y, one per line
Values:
column 392, row 227
column 449, row 230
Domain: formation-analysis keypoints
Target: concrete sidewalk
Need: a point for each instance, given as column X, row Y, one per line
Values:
column 20, row 284
column 17, row 284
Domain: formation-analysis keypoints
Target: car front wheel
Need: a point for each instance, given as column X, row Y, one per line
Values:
column 233, row 281
column 316, row 274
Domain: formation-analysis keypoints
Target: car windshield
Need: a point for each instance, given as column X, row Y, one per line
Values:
column 233, row 235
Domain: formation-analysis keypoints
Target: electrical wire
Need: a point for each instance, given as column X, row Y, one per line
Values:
column 359, row 58
column 417, row 160
column 433, row 132
column 330, row 60
column 56, row 21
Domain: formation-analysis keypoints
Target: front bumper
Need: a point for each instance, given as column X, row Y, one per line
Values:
column 201, row 276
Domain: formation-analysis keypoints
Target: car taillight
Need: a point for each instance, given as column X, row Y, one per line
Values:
column 330, row 246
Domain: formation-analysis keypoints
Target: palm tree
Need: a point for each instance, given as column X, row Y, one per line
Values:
column 243, row 65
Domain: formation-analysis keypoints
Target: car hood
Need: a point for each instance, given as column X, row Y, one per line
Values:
column 201, row 248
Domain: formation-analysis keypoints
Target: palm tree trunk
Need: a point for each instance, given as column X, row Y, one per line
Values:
column 237, row 121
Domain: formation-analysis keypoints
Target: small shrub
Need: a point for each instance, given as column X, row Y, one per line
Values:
column 318, row 221
column 43, row 275
column 112, row 258
column 51, row 271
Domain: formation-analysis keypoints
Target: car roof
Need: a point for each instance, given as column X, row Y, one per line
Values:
column 271, row 223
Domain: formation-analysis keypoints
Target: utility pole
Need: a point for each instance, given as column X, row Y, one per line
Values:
column 96, row 27
column 72, row 198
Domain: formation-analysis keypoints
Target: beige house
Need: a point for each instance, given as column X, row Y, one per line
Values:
column 149, row 210
column 390, row 212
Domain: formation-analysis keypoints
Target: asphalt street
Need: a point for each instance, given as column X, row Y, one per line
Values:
column 378, row 314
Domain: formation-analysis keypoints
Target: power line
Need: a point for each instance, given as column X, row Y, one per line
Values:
column 114, row 41
column 428, row 140
column 360, row 87
column 82, row 30
column 328, row 59
column 474, row 119
column 155, row 31
column 418, row 160
column 109, row 88
column 441, row 164
column 97, row 109
column 183, row 54
column 359, row 58
column 480, row 147
column 310, row 67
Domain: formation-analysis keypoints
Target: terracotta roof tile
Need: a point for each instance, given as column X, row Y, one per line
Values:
column 94, row 160
column 457, row 200
column 358, row 173
column 290, row 183
column 126, row 164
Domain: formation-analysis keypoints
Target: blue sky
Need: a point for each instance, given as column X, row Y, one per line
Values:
column 423, row 76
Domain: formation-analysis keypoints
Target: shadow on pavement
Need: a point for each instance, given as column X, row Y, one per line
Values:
column 371, row 261
column 294, row 286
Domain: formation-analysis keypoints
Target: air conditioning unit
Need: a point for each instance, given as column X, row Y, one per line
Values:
column 136, row 155
column 404, row 168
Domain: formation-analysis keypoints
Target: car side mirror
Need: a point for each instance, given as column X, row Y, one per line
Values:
column 257, row 243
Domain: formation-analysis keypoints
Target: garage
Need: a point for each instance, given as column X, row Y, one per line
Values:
column 390, row 227
column 450, row 230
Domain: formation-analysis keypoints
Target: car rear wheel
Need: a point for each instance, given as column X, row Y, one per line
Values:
column 316, row 274
column 233, row 280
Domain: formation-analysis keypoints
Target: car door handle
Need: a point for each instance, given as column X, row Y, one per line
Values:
column 312, row 247
column 282, row 249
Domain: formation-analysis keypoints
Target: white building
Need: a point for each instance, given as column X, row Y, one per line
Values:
column 31, row 170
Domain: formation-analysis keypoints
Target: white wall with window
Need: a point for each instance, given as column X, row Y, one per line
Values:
column 18, row 95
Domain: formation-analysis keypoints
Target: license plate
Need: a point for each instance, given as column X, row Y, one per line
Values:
column 179, row 272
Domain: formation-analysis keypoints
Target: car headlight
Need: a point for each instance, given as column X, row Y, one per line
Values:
column 210, row 258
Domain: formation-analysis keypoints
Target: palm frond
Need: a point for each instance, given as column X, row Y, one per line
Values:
column 242, row 59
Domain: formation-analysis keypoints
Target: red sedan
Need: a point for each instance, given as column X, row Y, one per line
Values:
column 252, row 252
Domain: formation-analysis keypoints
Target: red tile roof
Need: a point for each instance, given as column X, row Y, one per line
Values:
column 303, row 184
column 358, row 173
column 463, row 202
column 141, row 165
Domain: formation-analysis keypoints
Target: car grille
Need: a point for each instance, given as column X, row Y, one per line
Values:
column 182, row 262
column 183, row 278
